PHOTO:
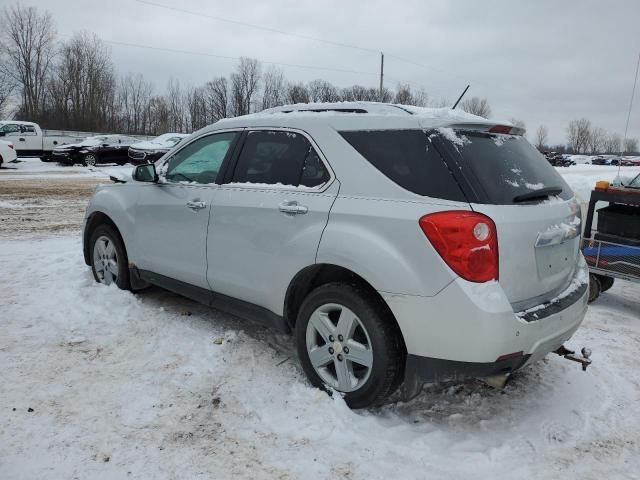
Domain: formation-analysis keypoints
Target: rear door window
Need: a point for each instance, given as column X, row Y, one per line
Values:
column 408, row 158
column 503, row 168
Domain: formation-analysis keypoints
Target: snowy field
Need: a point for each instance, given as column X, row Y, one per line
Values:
column 97, row 383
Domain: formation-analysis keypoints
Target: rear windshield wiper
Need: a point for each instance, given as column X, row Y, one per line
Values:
column 537, row 194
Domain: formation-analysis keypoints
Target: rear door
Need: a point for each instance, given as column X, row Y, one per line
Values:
column 266, row 222
column 537, row 219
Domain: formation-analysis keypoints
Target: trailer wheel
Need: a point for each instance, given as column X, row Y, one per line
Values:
column 595, row 287
column 605, row 282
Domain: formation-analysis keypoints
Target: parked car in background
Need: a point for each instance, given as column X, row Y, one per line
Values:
column 395, row 243
column 558, row 160
column 95, row 150
column 152, row 150
column 630, row 161
column 30, row 140
column 7, row 152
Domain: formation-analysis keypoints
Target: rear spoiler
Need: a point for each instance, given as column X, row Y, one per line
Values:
column 490, row 128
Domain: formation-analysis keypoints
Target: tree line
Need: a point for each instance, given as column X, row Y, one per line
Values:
column 73, row 85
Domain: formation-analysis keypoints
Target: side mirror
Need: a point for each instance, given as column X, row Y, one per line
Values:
column 2, row 133
column 145, row 173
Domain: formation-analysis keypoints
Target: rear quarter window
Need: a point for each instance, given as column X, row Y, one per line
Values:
column 408, row 158
column 500, row 168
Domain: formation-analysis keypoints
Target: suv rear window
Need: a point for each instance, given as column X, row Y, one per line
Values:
column 504, row 168
column 408, row 158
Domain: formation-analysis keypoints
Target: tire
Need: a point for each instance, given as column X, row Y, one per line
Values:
column 90, row 160
column 595, row 288
column 102, row 257
column 374, row 338
column 605, row 282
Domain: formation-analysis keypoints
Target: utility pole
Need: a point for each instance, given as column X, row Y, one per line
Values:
column 381, row 75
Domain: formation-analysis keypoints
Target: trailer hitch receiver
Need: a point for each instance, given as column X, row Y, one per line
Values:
column 584, row 360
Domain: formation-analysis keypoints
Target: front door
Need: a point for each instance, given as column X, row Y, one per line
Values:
column 266, row 224
column 172, row 216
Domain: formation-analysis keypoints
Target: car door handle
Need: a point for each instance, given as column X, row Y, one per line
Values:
column 21, row 139
column 292, row 208
column 196, row 205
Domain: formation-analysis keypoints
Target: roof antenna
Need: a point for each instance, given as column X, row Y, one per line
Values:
column 460, row 98
column 626, row 128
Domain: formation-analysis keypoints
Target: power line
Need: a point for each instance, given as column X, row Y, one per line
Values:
column 260, row 27
column 227, row 57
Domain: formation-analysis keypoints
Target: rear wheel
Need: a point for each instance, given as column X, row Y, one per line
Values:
column 348, row 342
column 108, row 257
column 595, row 287
column 605, row 282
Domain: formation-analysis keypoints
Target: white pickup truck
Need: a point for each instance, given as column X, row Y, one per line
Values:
column 30, row 140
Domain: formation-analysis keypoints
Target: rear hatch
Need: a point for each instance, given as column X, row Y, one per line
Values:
column 536, row 216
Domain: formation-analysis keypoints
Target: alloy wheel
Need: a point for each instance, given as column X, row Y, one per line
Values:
column 105, row 260
column 339, row 347
column 90, row 160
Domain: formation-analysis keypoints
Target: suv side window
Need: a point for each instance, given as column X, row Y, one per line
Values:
column 276, row 157
column 200, row 161
column 409, row 159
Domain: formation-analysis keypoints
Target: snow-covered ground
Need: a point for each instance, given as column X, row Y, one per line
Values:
column 104, row 384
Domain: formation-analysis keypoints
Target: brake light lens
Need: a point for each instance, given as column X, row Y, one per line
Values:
column 10, row 146
column 500, row 129
column 466, row 241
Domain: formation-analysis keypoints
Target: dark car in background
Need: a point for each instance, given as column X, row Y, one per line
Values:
column 95, row 150
column 152, row 150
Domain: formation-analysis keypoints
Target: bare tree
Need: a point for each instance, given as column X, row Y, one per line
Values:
column 477, row 106
column 7, row 87
column 404, row 96
column 612, row 143
column 244, row 85
column 81, row 91
column 631, row 145
column 28, row 42
column 197, row 108
column 275, row 88
column 177, row 110
column 297, row 93
column 597, row 138
column 217, row 96
column 135, row 98
column 541, row 137
column 322, row 91
column 578, row 133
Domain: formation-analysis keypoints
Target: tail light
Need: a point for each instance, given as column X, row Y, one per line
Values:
column 466, row 241
column 10, row 146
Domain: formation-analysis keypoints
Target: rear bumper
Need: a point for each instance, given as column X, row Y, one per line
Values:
column 463, row 331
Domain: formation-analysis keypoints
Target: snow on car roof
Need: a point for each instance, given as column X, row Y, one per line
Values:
column 355, row 116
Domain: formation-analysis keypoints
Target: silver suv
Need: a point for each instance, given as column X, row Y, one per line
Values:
column 395, row 243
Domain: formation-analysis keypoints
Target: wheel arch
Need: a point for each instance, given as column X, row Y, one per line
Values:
column 314, row 276
column 94, row 220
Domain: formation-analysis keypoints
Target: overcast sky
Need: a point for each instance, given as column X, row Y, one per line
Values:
column 540, row 61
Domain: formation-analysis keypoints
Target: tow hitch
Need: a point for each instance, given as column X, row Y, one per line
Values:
column 584, row 360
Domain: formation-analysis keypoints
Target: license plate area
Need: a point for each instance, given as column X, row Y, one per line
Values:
column 555, row 259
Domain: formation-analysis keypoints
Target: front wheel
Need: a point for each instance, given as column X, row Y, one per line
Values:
column 348, row 341
column 108, row 257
